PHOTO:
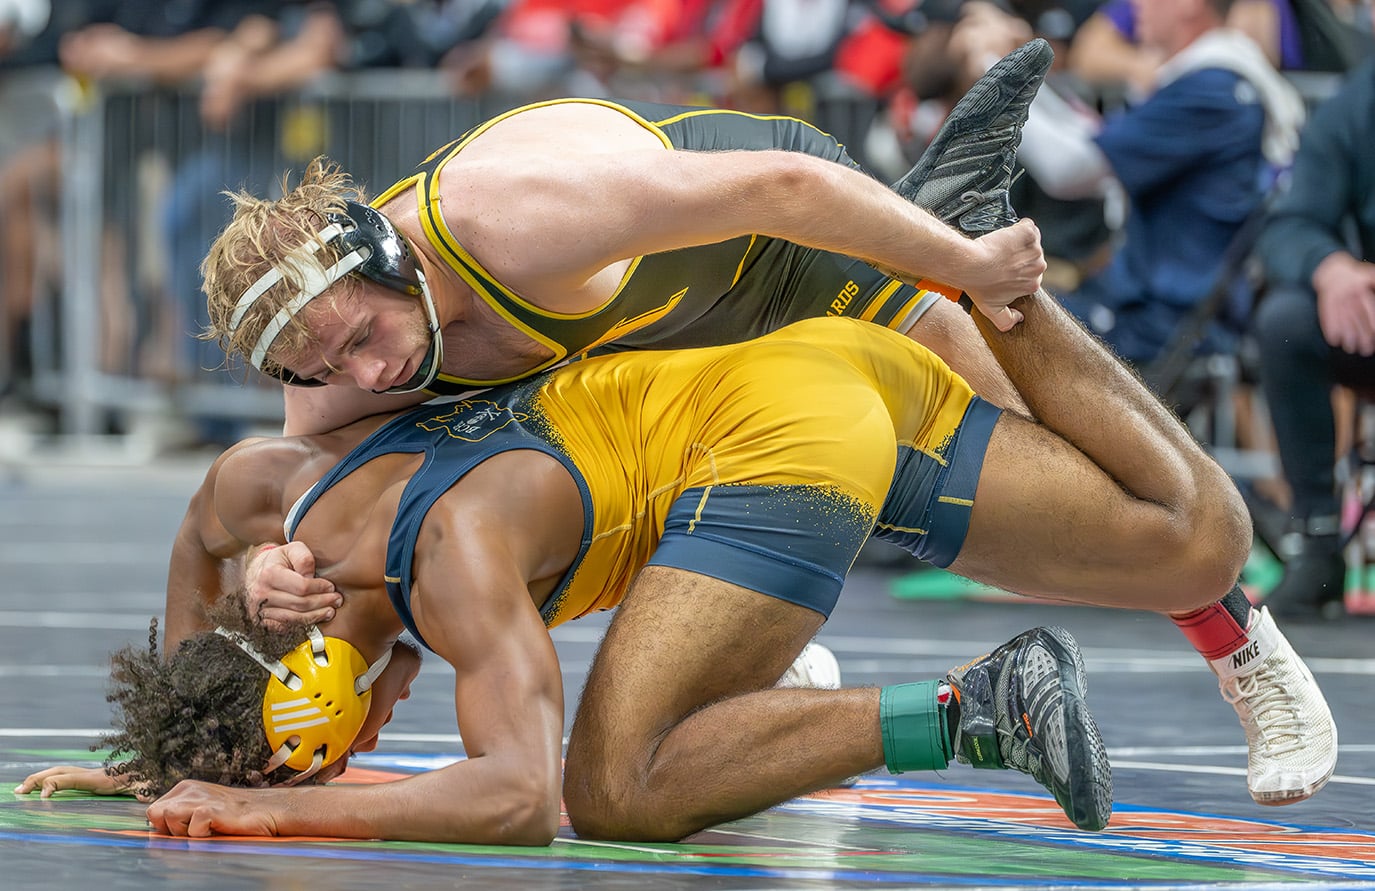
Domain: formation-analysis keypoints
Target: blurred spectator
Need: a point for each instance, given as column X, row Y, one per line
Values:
column 1195, row 159
column 92, row 40
column 739, row 53
column 1335, row 35
column 543, row 47
column 1316, row 329
column 260, row 57
column 1077, row 229
column 1108, row 54
column 953, row 44
column 20, row 22
column 1294, row 34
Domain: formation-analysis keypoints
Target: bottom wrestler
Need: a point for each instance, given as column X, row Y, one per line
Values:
column 717, row 497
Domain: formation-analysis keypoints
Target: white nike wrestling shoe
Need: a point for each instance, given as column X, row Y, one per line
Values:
column 1289, row 729
column 814, row 668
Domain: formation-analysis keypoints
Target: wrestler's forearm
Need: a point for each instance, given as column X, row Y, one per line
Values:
column 865, row 219
column 194, row 581
column 459, row 804
column 664, row 201
column 465, row 803
column 199, row 571
column 869, row 221
column 311, row 410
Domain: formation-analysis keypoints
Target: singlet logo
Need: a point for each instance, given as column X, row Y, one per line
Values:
column 842, row 300
column 472, row 420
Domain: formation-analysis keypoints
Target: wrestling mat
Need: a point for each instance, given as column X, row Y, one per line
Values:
column 885, row 831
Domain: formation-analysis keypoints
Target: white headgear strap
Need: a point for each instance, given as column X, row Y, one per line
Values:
column 274, row 274
column 314, row 282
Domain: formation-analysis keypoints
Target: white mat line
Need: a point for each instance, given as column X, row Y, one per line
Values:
column 1116, row 752
column 1224, row 771
column 1100, row 660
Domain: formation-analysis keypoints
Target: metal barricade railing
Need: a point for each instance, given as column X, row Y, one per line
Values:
column 30, row 108
column 142, row 185
column 141, row 199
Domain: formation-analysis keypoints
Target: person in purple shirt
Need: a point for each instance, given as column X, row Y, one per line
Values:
column 1271, row 23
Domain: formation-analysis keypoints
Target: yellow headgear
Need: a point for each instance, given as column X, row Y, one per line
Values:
column 318, row 695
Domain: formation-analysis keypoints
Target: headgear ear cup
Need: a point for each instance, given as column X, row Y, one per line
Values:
column 323, row 711
column 316, row 699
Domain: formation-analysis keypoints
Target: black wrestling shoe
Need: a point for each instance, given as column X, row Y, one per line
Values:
column 1312, row 588
column 1022, row 706
column 964, row 175
column 1314, row 583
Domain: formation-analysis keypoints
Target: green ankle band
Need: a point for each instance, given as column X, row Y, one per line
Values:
column 914, row 727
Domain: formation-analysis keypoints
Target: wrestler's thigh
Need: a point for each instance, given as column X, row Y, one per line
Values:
column 1047, row 521
column 679, row 641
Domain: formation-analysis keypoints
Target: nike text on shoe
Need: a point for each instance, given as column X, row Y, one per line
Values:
column 1022, row 706
column 1290, row 734
column 964, row 175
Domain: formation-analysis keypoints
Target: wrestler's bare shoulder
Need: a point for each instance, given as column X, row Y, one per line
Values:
column 281, row 458
column 539, row 157
column 559, row 130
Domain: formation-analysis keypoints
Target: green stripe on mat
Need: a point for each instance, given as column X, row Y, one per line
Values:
column 1261, row 573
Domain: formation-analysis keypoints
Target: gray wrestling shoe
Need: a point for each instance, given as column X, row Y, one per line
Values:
column 1022, row 706
column 964, row 175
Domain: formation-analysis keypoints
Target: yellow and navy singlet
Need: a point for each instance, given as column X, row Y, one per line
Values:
column 715, row 461
column 713, row 294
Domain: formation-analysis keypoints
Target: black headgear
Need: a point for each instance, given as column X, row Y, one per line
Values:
column 367, row 243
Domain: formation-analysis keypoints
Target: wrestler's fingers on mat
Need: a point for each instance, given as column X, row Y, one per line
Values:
column 53, row 779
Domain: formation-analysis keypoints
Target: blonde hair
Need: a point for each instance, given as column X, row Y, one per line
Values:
column 260, row 235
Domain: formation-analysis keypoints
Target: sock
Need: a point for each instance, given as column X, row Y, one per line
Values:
column 1218, row 629
column 949, row 697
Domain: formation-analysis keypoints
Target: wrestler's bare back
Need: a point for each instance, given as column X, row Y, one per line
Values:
column 529, row 208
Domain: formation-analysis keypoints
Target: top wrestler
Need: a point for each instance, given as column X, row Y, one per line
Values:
column 563, row 226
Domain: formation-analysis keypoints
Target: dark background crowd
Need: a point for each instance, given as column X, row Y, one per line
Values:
column 1198, row 168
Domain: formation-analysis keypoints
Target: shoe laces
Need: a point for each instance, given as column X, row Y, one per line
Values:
column 1271, row 707
column 1016, row 754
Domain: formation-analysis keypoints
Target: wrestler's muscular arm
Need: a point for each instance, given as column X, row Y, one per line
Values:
column 482, row 549
column 557, row 220
column 490, row 545
column 241, row 492
column 311, row 410
column 202, row 565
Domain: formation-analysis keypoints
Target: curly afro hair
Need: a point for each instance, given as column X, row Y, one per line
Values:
column 197, row 715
